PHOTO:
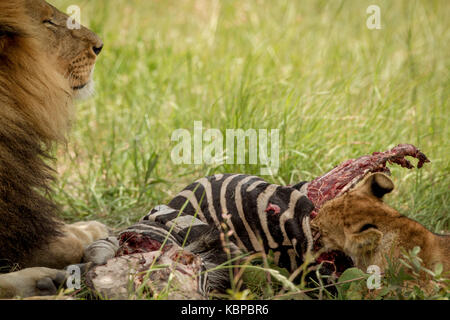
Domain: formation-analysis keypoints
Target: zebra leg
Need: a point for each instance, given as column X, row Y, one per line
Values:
column 100, row 251
column 184, row 226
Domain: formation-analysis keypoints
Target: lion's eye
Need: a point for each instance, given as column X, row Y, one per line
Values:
column 49, row 22
column 367, row 226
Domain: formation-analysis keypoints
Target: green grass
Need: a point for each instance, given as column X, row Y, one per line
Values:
column 334, row 88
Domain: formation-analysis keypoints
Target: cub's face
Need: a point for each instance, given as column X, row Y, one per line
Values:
column 359, row 223
column 75, row 50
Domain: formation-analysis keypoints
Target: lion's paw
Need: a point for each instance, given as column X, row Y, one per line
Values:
column 69, row 248
column 31, row 282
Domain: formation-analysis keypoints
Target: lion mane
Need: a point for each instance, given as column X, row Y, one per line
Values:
column 35, row 112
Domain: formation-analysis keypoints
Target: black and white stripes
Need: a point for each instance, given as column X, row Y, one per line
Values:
column 262, row 216
column 177, row 223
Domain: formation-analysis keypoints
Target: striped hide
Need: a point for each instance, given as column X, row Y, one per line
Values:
column 262, row 216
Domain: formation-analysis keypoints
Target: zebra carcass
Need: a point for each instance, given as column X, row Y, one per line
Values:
column 260, row 216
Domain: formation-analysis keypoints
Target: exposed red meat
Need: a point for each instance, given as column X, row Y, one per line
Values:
column 133, row 242
column 272, row 208
column 350, row 172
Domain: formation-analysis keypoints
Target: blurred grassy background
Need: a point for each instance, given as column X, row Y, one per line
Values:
column 334, row 88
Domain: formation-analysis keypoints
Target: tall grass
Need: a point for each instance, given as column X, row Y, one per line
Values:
column 334, row 88
column 312, row 69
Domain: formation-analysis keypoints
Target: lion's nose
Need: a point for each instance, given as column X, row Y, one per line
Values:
column 97, row 49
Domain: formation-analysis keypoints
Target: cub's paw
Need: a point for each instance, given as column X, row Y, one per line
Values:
column 31, row 282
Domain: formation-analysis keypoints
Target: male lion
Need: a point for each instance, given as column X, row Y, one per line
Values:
column 362, row 226
column 43, row 66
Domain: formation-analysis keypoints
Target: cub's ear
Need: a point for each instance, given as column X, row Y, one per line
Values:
column 376, row 184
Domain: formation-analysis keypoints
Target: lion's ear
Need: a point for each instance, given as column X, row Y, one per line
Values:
column 376, row 184
column 5, row 36
column 2, row 39
column 8, row 33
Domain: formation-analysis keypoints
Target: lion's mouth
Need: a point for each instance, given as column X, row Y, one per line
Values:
column 81, row 81
column 80, row 86
column 84, row 91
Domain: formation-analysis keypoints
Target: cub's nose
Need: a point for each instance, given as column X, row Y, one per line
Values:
column 97, row 49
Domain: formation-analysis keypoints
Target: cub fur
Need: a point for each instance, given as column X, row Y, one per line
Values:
column 361, row 225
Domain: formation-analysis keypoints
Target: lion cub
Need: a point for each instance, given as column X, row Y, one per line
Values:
column 361, row 225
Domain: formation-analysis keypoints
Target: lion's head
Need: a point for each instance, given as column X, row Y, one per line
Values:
column 362, row 226
column 44, row 64
column 75, row 49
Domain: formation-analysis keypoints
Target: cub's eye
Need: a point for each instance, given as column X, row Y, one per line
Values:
column 367, row 227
